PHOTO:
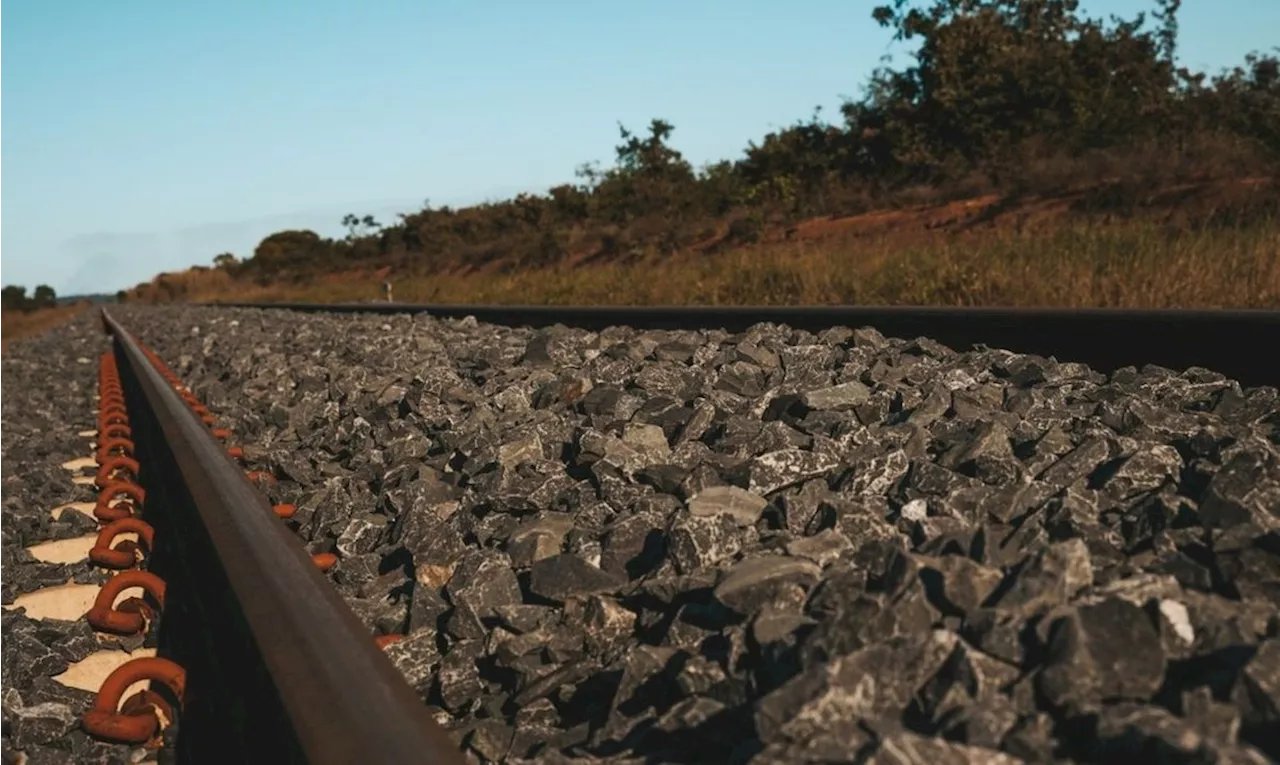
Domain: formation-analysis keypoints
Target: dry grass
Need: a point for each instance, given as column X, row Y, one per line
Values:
column 15, row 325
column 1130, row 263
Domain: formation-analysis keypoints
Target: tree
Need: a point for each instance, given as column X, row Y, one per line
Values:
column 44, row 297
column 990, row 75
column 14, row 298
column 286, row 251
column 225, row 260
column 651, row 156
column 357, row 226
column 649, row 179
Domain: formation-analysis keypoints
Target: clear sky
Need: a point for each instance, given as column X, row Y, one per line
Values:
column 146, row 136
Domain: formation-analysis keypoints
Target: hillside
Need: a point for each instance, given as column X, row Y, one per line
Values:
column 1027, row 154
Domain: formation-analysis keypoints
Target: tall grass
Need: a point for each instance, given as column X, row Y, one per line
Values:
column 1130, row 264
column 15, row 325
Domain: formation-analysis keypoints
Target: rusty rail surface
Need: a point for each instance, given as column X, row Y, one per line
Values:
column 267, row 662
column 1236, row 343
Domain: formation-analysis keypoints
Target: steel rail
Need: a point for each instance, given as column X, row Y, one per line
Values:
column 1237, row 343
column 292, row 676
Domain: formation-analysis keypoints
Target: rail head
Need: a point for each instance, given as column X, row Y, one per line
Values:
column 346, row 700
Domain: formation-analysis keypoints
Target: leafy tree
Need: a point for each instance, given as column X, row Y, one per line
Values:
column 991, row 74
column 225, row 260
column 286, row 250
column 14, row 298
column 44, row 297
column 352, row 224
column 794, row 168
column 356, row 225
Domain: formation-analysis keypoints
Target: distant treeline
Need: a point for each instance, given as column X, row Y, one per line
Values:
column 15, row 298
column 1014, row 97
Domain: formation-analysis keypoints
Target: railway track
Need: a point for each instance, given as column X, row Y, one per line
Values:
column 260, row 657
column 278, row 667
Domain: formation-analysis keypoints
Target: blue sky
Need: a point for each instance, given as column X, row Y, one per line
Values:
column 146, row 136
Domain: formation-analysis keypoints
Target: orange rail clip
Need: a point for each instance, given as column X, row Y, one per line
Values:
column 124, row 556
column 115, row 463
column 104, row 511
column 130, row 616
column 138, row 721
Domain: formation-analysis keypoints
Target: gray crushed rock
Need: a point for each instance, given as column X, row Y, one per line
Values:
column 776, row 546
column 49, row 382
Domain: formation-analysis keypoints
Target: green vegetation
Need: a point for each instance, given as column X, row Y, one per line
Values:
column 14, row 298
column 1020, row 99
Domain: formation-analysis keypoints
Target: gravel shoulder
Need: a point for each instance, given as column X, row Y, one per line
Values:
column 769, row 547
